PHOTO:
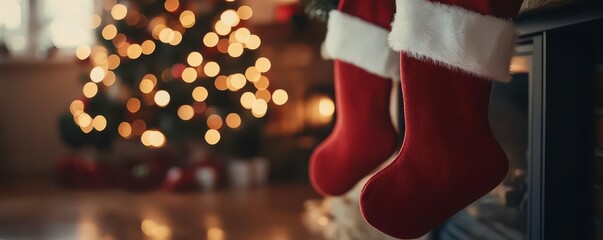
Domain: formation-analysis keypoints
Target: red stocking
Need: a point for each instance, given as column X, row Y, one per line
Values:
column 451, row 51
column 364, row 136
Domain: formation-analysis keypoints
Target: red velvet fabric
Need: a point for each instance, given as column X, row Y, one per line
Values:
column 378, row 12
column 450, row 157
column 364, row 136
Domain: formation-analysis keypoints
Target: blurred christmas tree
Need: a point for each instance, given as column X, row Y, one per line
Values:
column 170, row 71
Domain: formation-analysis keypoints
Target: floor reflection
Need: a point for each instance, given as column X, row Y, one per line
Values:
column 271, row 213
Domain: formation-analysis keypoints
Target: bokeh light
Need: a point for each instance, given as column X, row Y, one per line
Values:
column 247, row 100
column 166, row 35
column 186, row 112
column 263, row 64
column 84, row 120
column 109, row 32
column 236, row 82
column 211, row 39
column 254, row 42
column 99, row 123
column 242, row 35
column 212, row 136
column 214, row 121
column 230, row 18
column 109, row 79
column 222, row 28
column 259, row 108
column 138, row 127
column 262, row 84
column 90, row 89
column 119, row 11
column 151, row 78
column 82, row 52
column 263, row 94
column 187, row 19
column 189, row 75
column 223, row 45
column 245, row 12
column 124, row 129
column 194, row 59
column 76, row 107
column 134, row 51
column 113, row 61
column 211, row 69
column 214, row 233
column 326, row 107
column 153, row 138
column 235, row 50
column 122, row 50
column 119, row 40
column 171, row 5
column 221, row 83
column 146, row 85
column 177, row 38
column 133, row 105
column 96, row 21
column 280, row 97
column 199, row 107
column 176, row 70
column 162, row 98
column 148, row 47
column 97, row 74
column 134, row 18
column 200, row 94
column 87, row 129
column 233, row 120
column 252, row 74
column 154, row 230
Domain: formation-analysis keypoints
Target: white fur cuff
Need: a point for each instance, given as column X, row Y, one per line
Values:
column 481, row 45
column 362, row 44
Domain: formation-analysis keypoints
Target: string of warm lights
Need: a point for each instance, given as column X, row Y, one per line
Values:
column 226, row 36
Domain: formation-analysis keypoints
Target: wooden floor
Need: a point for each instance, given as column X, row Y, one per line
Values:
column 270, row 213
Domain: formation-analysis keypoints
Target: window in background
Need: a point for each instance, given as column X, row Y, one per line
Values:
column 65, row 23
column 14, row 24
column 32, row 27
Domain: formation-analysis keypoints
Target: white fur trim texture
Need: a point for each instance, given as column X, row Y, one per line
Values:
column 456, row 37
column 362, row 44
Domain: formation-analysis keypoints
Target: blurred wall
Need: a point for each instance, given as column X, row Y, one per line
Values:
column 264, row 10
column 32, row 97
